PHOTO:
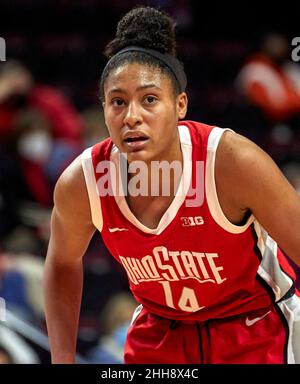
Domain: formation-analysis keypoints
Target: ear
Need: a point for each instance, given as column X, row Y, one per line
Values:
column 104, row 114
column 182, row 103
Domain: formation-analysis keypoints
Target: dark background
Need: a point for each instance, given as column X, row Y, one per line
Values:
column 62, row 42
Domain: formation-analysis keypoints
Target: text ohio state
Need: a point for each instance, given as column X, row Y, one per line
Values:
column 164, row 264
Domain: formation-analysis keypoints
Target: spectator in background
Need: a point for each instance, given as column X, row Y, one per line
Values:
column 49, row 131
column 95, row 128
column 42, row 155
column 270, row 81
column 18, row 88
column 115, row 321
column 15, row 82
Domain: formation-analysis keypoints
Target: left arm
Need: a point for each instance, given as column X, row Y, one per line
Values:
column 256, row 183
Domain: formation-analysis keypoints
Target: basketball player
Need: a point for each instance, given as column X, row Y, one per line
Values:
column 212, row 283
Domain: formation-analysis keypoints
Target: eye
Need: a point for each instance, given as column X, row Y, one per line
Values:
column 117, row 102
column 150, row 100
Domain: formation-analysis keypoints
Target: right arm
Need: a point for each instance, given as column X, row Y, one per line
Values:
column 71, row 232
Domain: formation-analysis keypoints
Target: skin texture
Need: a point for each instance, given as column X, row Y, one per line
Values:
column 247, row 180
column 141, row 100
column 71, row 231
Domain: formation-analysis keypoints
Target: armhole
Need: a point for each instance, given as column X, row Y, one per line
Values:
column 90, row 181
column 210, row 186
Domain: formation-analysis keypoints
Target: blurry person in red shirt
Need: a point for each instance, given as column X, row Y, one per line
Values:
column 45, row 125
column 271, row 81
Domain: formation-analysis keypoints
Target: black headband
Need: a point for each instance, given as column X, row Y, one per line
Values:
column 170, row 61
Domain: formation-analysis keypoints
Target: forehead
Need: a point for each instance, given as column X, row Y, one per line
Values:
column 131, row 75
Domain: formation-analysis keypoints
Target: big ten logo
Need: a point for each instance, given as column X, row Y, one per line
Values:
column 296, row 51
column 192, row 221
column 2, row 309
column 2, row 49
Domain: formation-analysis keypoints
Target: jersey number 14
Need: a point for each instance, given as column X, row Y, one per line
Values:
column 187, row 302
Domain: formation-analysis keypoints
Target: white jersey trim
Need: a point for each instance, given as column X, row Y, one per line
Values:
column 210, row 186
column 169, row 215
column 290, row 309
column 269, row 269
column 91, row 184
column 280, row 283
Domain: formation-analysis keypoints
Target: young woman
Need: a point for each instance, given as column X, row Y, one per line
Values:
column 202, row 260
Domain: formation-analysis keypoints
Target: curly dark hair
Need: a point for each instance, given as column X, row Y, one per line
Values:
column 144, row 27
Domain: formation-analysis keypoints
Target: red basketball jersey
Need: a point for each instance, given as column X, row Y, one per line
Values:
column 196, row 265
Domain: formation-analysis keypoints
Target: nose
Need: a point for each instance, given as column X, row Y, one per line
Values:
column 133, row 115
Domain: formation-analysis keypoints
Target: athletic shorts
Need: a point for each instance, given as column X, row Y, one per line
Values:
column 266, row 336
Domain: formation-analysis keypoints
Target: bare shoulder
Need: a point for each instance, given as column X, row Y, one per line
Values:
column 241, row 159
column 234, row 158
column 70, row 194
column 239, row 150
column 71, row 221
column 251, row 180
column 246, row 170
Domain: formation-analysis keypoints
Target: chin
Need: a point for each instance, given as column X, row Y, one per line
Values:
column 139, row 156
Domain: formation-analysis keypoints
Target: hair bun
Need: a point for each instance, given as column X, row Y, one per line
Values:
column 145, row 27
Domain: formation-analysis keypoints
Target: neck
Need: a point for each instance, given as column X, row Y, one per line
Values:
column 160, row 176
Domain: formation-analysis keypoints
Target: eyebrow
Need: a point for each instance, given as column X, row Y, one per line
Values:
column 140, row 88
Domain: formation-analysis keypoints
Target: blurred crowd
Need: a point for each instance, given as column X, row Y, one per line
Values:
column 49, row 112
column 41, row 133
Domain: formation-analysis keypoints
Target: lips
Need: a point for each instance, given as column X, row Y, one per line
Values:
column 135, row 139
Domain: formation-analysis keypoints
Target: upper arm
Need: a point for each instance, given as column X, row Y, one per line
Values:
column 258, row 185
column 71, row 222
